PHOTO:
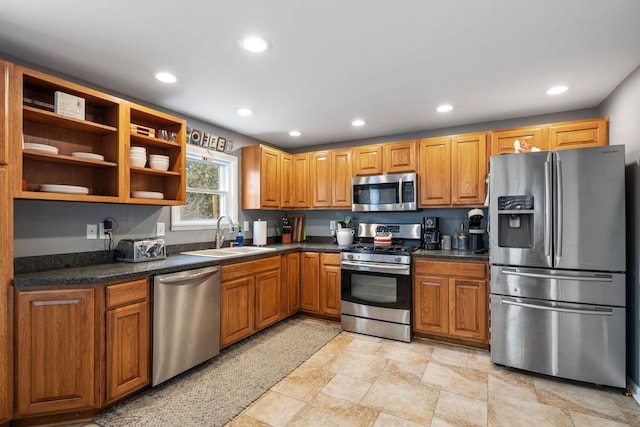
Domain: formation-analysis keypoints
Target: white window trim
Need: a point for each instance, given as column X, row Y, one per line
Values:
column 232, row 202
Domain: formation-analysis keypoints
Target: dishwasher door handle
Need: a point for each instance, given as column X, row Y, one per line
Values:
column 188, row 276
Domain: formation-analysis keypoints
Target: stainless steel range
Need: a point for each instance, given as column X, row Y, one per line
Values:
column 376, row 280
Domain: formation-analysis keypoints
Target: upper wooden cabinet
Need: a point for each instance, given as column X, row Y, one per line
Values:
column 261, row 177
column 172, row 182
column 453, row 170
column 91, row 152
column 502, row 141
column 367, row 160
column 331, row 178
column 295, row 181
column 579, row 134
column 388, row 158
column 553, row 136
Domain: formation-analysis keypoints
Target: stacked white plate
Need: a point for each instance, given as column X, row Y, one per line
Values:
column 159, row 162
column 147, row 194
column 87, row 155
column 67, row 189
column 138, row 156
column 40, row 147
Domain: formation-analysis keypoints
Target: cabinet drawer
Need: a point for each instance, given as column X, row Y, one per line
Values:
column 126, row 293
column 242, row 269
column 451, row 268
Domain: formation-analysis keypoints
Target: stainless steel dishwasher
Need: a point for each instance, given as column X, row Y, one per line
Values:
column 186, row 321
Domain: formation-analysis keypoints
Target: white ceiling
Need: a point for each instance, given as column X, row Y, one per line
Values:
column 388, row 62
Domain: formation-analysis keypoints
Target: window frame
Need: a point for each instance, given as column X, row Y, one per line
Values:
column 231, row 162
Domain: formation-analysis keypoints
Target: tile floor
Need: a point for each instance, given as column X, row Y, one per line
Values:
column 357, row 380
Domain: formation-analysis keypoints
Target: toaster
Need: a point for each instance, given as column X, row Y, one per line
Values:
column 139, row 250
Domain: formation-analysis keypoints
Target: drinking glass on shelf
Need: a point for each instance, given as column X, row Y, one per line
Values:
column 173, row 136
column 163, row 134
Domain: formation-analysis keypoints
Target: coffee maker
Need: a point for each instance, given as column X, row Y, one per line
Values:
column 476, row 231
column 432, row 236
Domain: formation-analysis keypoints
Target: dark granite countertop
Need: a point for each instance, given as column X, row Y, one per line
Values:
column 117, row 271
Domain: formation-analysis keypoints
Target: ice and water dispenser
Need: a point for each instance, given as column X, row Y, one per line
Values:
column 515, row 221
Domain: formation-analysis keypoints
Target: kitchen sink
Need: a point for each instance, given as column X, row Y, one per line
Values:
column 228, row 252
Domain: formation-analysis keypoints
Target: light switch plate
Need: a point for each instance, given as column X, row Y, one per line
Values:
column 160, row 229
column 245, row 226
column 101, row 234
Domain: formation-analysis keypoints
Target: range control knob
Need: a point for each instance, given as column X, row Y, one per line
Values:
column 350, row 256
column 397, row 259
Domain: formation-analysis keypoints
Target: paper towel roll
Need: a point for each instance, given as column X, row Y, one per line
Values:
column 259, row 233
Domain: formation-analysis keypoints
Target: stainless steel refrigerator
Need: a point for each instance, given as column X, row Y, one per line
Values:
column 557, row 254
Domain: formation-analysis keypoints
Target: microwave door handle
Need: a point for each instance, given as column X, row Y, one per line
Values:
column 400, row 190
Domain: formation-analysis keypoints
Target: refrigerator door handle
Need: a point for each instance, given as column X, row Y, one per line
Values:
column 548, row 213
column 559, row 212
column 601, row 312
column 599, row 278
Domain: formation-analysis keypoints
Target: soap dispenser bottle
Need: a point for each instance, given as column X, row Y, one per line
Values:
column 239, row 238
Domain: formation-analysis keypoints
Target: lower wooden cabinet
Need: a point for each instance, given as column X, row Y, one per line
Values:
column 74, row 342
column 451, row 299
column 290, row 292
column 127, row 338
column 320, row 283
column 250, row 298
column 55, row 354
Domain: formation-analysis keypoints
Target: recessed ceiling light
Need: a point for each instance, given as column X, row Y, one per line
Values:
column 295, row 133
column 243, row 111
column 444, row 108
column 166, row 77
column 358, row 122
column 255, row 44
column 556, row 90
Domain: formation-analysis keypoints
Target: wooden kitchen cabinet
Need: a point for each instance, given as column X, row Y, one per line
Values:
column 290, row 292
column 579, row 134
column 330, row 284
column 331, row 174
column 55, row 354
column 451, row 299
column 127, row 338
column 310, row 282
column 320, row 283
column 453, row 170
column 250, row 298
column 400, row 157
column 5, row 74
column 502, row 140
column 295, row 181
column 172, row 182
column 367, row 159
column 261, row 177
column 388, row 158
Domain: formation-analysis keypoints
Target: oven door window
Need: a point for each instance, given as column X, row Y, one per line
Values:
column 380, row 290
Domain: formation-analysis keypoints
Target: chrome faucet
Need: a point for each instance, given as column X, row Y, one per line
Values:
column 220, row 234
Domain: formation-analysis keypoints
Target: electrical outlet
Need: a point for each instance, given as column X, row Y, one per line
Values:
column 160, row 229
column 245, row 226
column 101, row 234
column 332, row 225
column 92, row 231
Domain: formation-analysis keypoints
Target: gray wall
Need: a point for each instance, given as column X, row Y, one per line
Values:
column 623, row 108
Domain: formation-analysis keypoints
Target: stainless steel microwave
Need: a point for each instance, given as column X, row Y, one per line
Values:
column 385, row 193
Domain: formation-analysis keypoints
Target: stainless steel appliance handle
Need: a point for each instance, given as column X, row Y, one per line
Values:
column 603, row 278
column 604, row 312
column 400, row 190
column 548, row 214
column 559, row 213
column 188, row 276
column 375, row 264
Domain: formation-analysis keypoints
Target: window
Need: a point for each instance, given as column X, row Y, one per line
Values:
column 212, row 182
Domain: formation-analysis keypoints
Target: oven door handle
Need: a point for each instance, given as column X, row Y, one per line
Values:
column 603, row 312
column 375, row 264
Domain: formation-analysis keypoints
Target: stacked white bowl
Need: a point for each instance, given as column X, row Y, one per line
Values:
column 138, row 156
column 159, row 162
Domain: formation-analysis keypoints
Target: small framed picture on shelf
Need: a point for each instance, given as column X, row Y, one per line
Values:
column 221, row 144
column 228, row 146
column 68, row 105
